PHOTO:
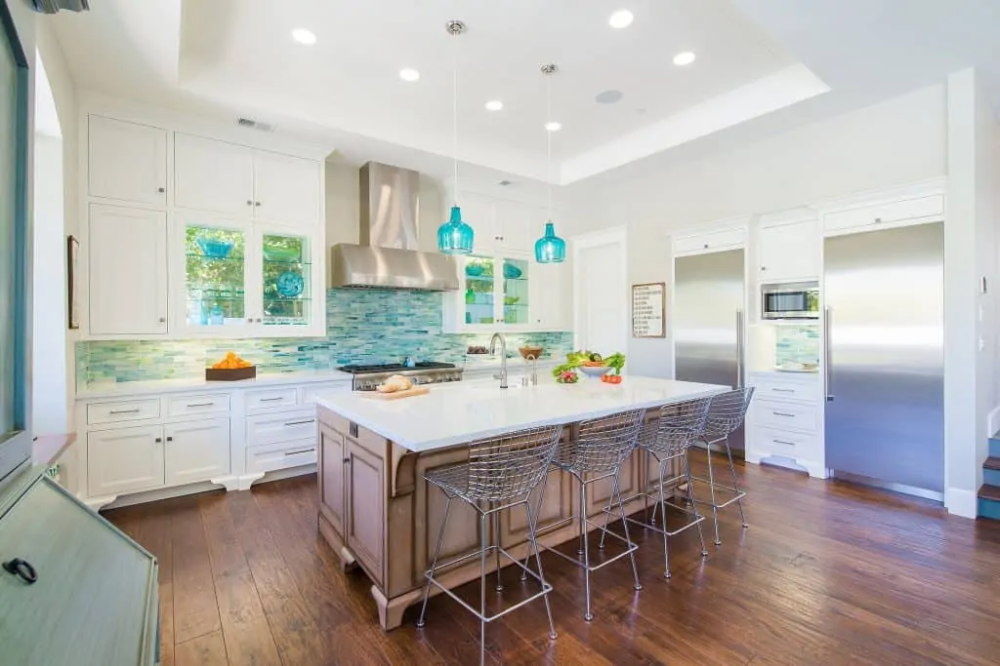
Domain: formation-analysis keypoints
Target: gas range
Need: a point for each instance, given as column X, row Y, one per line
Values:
column 367, row 377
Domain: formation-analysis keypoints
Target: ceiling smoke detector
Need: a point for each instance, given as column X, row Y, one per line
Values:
column 250, row 123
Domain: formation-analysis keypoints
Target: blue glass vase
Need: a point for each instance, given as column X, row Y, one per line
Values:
column 455, row 236
column 550, row 249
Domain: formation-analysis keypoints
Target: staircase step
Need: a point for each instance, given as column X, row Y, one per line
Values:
column 991, row 471
column 995, row 445
column 993, row 462
column 989, row 502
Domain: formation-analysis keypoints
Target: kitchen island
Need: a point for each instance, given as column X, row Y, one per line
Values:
column 376, row 510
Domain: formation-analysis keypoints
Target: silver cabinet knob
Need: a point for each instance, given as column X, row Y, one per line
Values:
column 249, row 320
column 161, row 190
column 163, row 320
column 249, row 202
column 763, row 268
column 878, row 220
column 256, row 203
column 258, row 320
column 706, row 246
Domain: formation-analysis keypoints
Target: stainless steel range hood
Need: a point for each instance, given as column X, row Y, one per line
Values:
column 388, row 256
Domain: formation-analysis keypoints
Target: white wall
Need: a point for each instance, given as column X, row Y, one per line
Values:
column 898, row 141
column 970, row 254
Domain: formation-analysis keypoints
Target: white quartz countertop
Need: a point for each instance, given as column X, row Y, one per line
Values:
column 460, row 413
column 119, row 389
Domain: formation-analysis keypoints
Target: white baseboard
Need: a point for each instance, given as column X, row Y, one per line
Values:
column 993, row 421
column 961, row 502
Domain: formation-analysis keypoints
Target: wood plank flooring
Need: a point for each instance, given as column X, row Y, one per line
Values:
column 828, row 573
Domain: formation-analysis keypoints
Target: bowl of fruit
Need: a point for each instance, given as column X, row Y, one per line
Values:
column 231, row 368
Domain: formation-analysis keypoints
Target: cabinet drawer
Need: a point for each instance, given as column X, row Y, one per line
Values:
column 709, row 242
column 125, row 410
column 281, row 427
column 786, row 415
column 768, row 442
column 775, row 389
column 898, row 211
column 309, row 393
column 261, row 399
column 190, row 405
column 281, row 456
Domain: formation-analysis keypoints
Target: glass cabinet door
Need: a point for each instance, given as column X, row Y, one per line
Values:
column 287, row 280
column 214, row 277
column 480, row 290
column 515, row 292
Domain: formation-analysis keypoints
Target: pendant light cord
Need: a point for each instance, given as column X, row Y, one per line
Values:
column 548, row 143
column 454, row 110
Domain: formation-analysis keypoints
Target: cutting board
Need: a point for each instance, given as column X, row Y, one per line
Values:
column 398, row 395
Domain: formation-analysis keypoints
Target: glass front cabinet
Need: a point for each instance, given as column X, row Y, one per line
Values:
column 245, row 279
column 494, row 294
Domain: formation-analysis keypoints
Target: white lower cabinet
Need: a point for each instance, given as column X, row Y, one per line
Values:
column 196, row 451
column 785, row 421
column 125, row 460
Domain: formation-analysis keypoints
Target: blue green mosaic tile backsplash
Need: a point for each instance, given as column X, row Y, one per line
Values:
column 363, row 326
column 797, row 344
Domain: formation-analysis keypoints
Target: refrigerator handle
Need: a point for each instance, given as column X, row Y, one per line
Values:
column 739, row 349
column 827, row 365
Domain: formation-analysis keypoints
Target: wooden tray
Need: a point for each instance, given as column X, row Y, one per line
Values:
column 230, row 374
column 398, row 395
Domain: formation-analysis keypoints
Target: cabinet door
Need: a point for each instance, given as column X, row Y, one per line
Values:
column 480, row 291
column 513, row 224
column 790, row 251
column 515, row 291
column 213, row 300
column 551, row 304
column 196, row 451
column 365, row 486
column 127, row 161
column 331, row 471
column 124, row 460
column 287, row 189
column 289, row 298
column 127, row 271
column 212, row 175
column 479, row 212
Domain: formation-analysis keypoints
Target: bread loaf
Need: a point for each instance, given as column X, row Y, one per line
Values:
column 393, row 384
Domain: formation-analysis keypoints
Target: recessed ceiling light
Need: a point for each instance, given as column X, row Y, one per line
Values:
column 621, row 19
column 684, row 58
column 553, row 126
column 303, row 36
column 609, row 97
column 494, row 105
column 410, row 75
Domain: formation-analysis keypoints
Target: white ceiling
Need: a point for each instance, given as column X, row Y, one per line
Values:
column 761, row 64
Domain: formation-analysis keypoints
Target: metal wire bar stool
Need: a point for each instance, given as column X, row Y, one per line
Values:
column 666, row 439
column 597, row 453
column 500, row 474
column 725, row 415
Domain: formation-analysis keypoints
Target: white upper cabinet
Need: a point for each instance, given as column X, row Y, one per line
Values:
column 127, row 263
column 789, row 252
column 223, row 177
column 286, row 189
column 711, row 241
column 127, row 161
column 213, row 175
column 552, row 304
column 501, row 226
column 512, row 226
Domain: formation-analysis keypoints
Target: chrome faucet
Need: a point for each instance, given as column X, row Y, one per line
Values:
column 503, row 356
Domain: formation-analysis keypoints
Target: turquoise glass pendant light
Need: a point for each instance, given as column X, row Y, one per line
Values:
column 550, row 249
column 455, row 236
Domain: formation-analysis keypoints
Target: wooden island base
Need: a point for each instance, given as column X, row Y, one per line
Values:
column 377, row 512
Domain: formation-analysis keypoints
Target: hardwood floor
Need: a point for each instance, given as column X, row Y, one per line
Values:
column 828, row 573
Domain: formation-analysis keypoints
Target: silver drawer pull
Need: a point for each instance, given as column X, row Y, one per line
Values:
column 125, row 411
column 785, row 414
column 300, row 451
column 781, row 441
column 781, row 390
column 201, row 404
column 280, row 397
column 296, row 423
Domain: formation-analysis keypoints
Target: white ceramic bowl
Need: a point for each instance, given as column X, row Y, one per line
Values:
column 594, row 371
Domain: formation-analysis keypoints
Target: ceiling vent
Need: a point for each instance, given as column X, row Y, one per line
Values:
column 250, row 123
column 53, row 6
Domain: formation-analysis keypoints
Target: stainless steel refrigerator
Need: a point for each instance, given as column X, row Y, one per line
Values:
column 884, row 336
column 708, row 322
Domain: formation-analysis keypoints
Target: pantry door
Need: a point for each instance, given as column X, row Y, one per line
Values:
column 600, row 291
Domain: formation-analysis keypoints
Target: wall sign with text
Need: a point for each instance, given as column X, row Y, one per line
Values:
column 649, row 309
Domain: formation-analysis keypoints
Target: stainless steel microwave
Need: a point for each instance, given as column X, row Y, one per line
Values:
column 794, row 300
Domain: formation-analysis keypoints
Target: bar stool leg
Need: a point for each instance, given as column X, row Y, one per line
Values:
column 588, row 616
column 628, row 539
column 607, row 516
column 663, row 506
column 711, row 487
column 691, row 502
column 496, row 538
column 534, row 542
column 437, row 551
column 482, row 590
column 532, row 525
column 736, row 483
